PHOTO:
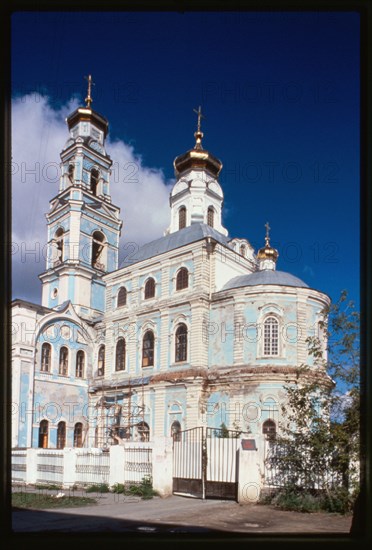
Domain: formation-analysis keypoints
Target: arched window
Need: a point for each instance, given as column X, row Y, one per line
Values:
column 148, row 346
column 269, row 429
column 182, row 217
column 181, row 343
column 101, row 361
column 143, row 431
column 122, row 297
column 80, row 364
column 97, row 250
column 182, row 280
column 150, row 288
column 63, row 361
column 210, row 216
column 70, row 173
column 61, row 435
column 46, row 353
column 94, row 176
column 242, row 249
column 58, row 237
column 271, row 336
column 176, row 431
column 78, row 434
column 43, row 434
column 120, row 354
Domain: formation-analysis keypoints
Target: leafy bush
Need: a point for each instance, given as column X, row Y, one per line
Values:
column 118, row 488
column 143, row 489
column 297, row 500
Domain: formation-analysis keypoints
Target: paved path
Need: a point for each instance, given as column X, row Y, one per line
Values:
column 117, row 513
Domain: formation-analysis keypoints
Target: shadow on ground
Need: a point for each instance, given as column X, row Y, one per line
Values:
column 46, row 521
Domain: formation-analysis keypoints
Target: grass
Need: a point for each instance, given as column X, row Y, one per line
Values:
column 48, row 486
column 41, row 501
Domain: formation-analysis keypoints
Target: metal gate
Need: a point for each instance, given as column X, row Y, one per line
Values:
column 205, row 463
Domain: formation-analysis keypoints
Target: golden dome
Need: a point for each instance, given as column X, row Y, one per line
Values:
column 197, row 157
column 267, row 252
column 85, row 114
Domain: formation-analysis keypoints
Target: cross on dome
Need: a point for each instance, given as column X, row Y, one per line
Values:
column 88, row 99
column 267, row 238
column 198, row 134
column 200, row 116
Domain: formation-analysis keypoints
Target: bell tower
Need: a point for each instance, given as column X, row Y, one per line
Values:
column 83, row 225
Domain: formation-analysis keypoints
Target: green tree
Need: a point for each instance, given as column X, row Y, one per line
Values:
column 317, row 448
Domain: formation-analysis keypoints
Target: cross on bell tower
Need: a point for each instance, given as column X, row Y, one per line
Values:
column 88, row 99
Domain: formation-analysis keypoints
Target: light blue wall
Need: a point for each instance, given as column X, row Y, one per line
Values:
column 54, row 283
column 88, row 226
column 57, row 341
column 24, row 414
column 98, row 295
column 221, row 336
column 222, row 331
column 55, row 402
column 218, row 410
column 175, row 408
column 71, row 287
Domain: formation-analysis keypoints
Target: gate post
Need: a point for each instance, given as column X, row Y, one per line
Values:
column 116, row 465
column 31, row 471
column 162, row 465
column 69, row 467
column 204, row 461
column 250, row 483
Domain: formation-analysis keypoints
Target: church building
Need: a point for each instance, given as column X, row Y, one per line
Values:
column 195, row 328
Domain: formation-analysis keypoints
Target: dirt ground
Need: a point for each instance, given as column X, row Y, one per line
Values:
column 175, row 514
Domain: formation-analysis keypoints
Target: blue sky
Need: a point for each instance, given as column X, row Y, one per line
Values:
column 280, row 93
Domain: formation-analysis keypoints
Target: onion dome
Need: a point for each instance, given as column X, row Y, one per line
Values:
column 267, row 256
column 197, row 158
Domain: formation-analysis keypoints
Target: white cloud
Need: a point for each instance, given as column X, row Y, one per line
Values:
column 38, row 134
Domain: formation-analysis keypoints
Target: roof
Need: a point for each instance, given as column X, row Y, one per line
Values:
column 193, row 233
column 30, row 305
column 86, row 113
column 265, row 277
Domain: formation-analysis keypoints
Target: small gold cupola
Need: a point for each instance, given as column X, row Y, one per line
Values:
column 197, row 158
column 83, row 118
column 267, row 256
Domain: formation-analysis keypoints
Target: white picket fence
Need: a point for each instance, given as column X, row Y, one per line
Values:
column 19, row 466
column 50, row 466
column 92, row 466
column 82, row 467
